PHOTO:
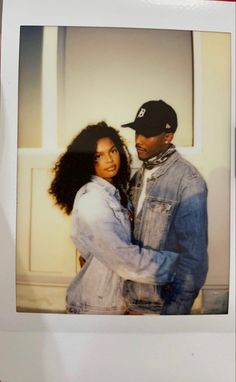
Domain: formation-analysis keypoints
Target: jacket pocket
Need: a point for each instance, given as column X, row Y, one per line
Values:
column 157, row 218
column 137, row 293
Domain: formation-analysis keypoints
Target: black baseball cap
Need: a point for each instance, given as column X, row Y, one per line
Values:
column 153, row 118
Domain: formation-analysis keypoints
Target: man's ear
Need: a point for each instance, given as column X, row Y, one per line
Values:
column 168, row 137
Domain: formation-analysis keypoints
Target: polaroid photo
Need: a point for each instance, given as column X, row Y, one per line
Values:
column 63, row 69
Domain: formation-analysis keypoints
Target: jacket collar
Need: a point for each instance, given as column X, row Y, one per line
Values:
column 105, row 186
column 164, row 167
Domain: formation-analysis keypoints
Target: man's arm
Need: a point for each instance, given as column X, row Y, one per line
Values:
column 190, row 225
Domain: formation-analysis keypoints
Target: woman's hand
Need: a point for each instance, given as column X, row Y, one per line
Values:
column 82, row 261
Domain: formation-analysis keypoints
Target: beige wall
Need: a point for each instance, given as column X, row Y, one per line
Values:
column 45, row 255
column 215, row 158
column 110, row 72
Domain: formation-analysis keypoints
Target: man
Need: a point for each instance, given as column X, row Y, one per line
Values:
column 170, row 212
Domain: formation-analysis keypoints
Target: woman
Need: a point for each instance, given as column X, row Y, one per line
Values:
column 91, row 179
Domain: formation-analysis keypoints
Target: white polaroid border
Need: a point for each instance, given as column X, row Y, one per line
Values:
column 193, row 15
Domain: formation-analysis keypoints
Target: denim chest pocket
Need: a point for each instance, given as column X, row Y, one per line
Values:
column 156, row 219
column 121, row 214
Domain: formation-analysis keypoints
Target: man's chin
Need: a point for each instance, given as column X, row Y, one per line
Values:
column 141, row 156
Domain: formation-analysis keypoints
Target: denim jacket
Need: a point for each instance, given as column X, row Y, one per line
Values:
column 101, row 232
column 173, row 218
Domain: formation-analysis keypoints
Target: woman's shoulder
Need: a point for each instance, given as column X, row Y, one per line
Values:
column 90, row 198
column 88, row 193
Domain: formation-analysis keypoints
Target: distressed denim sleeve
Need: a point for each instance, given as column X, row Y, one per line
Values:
column 191, row 230
column 99, row 231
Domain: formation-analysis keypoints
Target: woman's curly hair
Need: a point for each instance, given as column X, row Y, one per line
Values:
column 75, row 167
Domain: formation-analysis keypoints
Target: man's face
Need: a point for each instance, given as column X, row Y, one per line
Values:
column 148, row 147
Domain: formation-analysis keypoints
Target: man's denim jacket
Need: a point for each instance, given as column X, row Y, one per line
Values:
column 173, row 218
column 101, row 232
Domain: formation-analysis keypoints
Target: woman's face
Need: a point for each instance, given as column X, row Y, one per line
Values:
column 107, row 159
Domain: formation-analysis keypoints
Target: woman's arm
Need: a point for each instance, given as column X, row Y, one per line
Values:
column 97, row 230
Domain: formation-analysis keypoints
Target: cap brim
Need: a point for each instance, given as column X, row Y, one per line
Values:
column 136, row 126
column 143, row 130
column 130, row 124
